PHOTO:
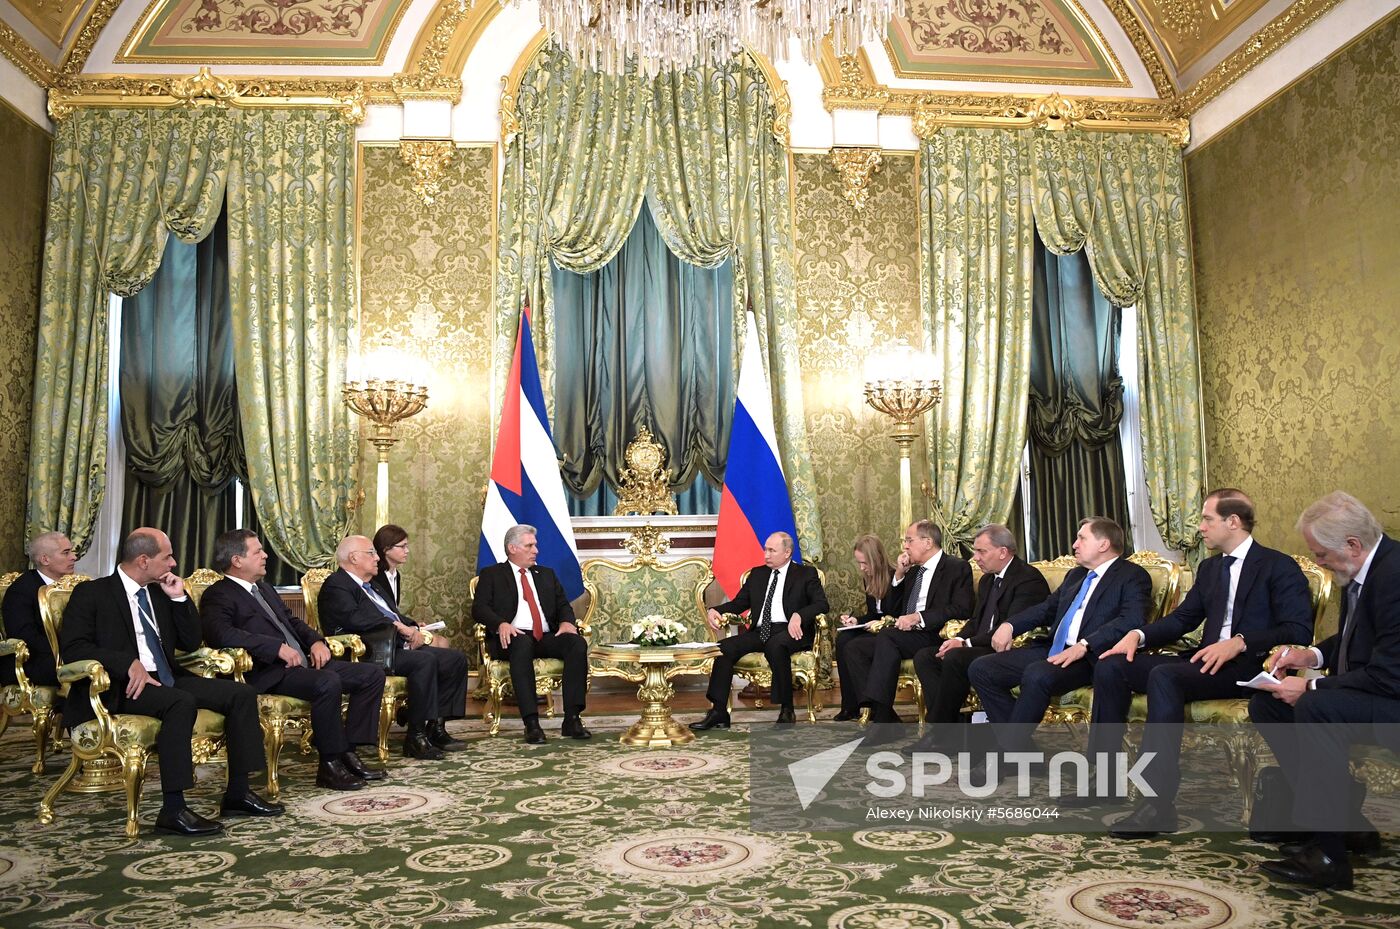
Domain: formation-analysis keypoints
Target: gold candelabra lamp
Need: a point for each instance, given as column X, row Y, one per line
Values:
column 899, row 383
column 385, row 401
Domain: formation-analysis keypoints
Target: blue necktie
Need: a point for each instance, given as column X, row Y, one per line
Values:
column 374, row 598
column 1062, row 631
column 148, row 632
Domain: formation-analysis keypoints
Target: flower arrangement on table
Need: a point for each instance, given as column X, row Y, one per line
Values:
column 655, row 631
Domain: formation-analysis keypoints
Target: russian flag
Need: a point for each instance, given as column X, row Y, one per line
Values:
column 525, row 483
column 754, row 503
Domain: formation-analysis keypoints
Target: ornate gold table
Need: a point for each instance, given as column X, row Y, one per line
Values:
column 653, row 668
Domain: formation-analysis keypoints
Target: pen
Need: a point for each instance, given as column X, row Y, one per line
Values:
column 1282, row 653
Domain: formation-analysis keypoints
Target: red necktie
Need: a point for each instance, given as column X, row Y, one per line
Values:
column 534, row 607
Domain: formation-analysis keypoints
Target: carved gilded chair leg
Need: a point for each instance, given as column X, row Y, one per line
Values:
column 43, row 730
column 494, row 700
column 810, row 684
column 548, row 700
column 272, row 748
column 386, row 718
column 919, row 703
column 75, row 764
column 133, row 773
column 1242, row 759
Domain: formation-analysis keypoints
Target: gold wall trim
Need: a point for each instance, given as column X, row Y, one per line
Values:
column 25, row 56
column 1053, row 113
column 1278, row 33
column 446, row 40
column 205, row 89
column 96, row 20
column 122, row 90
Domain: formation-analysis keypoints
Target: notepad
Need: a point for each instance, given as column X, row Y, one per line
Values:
column 1261, row 681
column 434, row 627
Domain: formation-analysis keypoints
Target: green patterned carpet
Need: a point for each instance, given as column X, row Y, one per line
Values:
column 596, row 834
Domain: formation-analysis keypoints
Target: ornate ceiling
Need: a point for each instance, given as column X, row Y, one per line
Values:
column 1163, row 58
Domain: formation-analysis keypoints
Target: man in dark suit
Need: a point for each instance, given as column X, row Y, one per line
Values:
column 783, row 599
column 1357, row 702
column 292, row 659
column 1250, row 598
column 437, row 677
column 53, row 558
column 1095, row 606
column 930, row 588
column 527, row 616
column 1009, row 585
column 133, row 621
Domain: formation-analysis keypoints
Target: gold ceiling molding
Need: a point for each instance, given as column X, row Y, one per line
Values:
column 1142, row 43
column 206, row 89
column 858, row 89
column 1271, row 38
column 51, row 17
column 447, row 39
column 1053, row 113
column 96, row 20
column 25, row 56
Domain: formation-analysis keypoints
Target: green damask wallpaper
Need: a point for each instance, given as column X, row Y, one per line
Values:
column 1298, row 275
column 425, row 289
column 857, row 290
column 25, row 150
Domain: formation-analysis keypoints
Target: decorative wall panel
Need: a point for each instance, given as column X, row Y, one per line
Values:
column 1298, row 275
column 857, row 290
column 425, row 285
column 23, row 187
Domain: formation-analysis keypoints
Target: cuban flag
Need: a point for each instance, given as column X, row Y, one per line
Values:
column 754, row 503
column 525, row 483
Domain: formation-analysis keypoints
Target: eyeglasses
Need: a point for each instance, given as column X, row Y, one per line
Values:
column 403, row 545
column 370, row 552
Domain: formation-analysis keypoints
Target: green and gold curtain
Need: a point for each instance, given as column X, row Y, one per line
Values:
column 703, row 148
column 120, row 179
column 1121, row 196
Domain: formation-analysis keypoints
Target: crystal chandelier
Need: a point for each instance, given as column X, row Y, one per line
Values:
column 669, row 35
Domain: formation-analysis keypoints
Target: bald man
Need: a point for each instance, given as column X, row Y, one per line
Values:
column 437, row 677
column 133, row 621
column 52, row 556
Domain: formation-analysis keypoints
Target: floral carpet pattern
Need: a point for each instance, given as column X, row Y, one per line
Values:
column 597, row 834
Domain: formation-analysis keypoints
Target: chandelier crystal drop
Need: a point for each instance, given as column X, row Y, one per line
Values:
column 673, row 35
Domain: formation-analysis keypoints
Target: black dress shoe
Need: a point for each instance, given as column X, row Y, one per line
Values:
column 1148, row 820
column 186, row 822
column 1313, row 868
column 786, row 717
column 439, row 736
column 845, row 716
column 335, row 774
column 357, row 767
column 250, row 804
column 714, row 719
column 534, row 735
column 1358, row 843
column 573, row 728
column 416, row 745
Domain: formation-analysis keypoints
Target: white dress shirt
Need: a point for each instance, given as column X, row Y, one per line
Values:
column 1235, row 567
column 921, row 601
column 1078, row 619
column 393, row 578
column 1359, row 581
column 148, row 659
column 524, row 621
column 775, row 614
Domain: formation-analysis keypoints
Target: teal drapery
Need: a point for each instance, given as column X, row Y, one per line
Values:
column 1121, row 196
column 179, row 406
column 120, row 178
column 701, row 147
column 646, row 340
column 1076, row 405
column 975, row 279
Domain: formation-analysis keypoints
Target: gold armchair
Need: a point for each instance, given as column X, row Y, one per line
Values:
column 806, row 666
column 395, row 686
column 110, row 750
column 279, row 716
column 39, row 701
column 493, row 675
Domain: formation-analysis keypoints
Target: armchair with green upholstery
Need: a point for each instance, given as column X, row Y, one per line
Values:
column 40, row 702
column 807, row 667
column 110, row 750
column 493, row 675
